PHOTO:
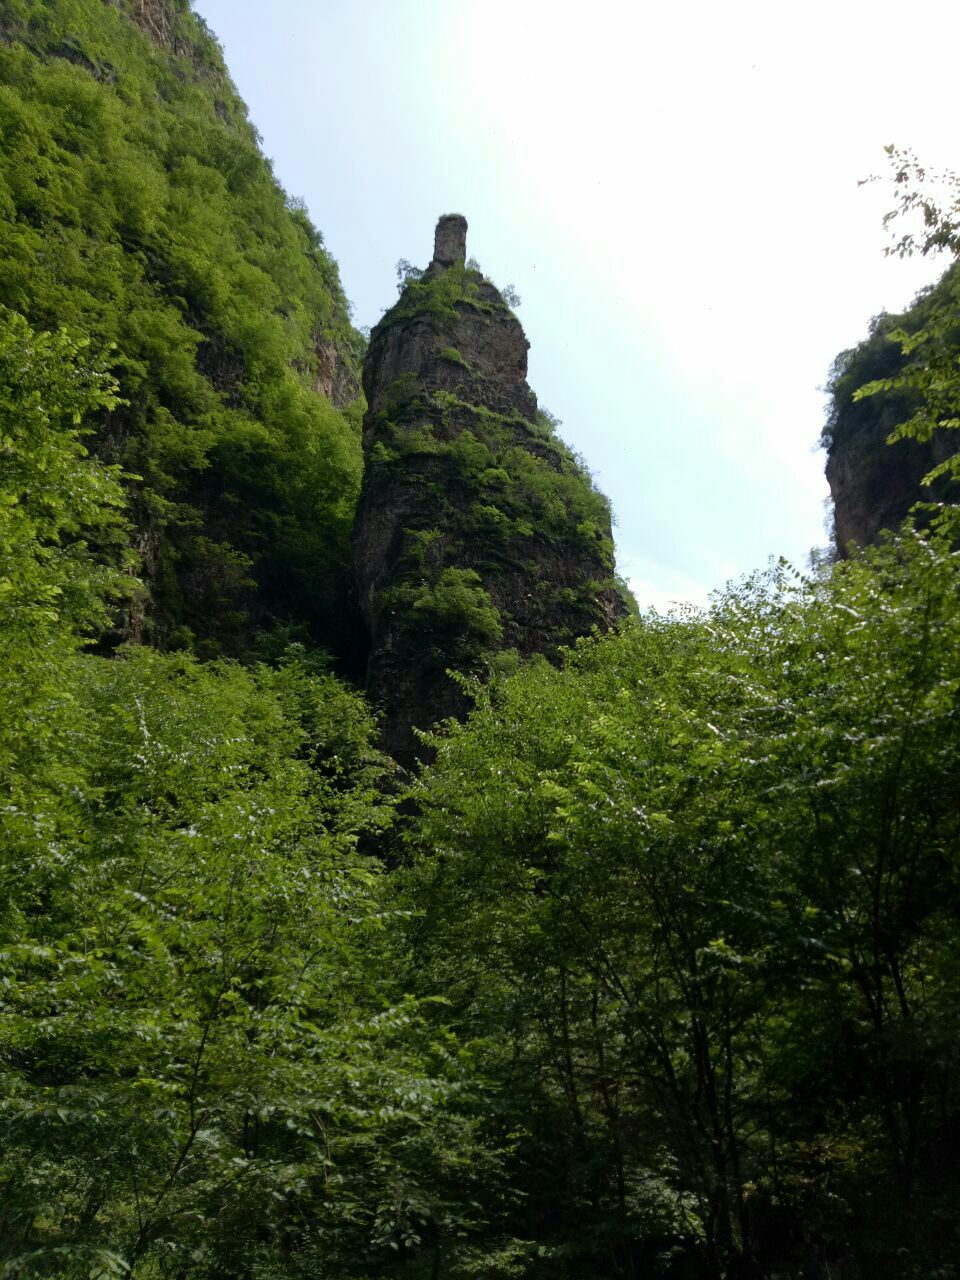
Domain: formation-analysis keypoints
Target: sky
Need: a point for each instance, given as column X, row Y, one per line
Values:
column 673, row 190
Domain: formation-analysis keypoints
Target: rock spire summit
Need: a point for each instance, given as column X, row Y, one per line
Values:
column 449, row 242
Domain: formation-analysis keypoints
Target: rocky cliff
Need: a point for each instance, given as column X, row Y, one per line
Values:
column 479, row 537
column 874, row 484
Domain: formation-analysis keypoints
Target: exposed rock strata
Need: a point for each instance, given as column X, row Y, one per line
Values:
column 477, row 531
column 449, row 243
column 157, row 19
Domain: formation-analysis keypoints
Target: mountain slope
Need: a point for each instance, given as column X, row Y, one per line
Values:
column 137, row 210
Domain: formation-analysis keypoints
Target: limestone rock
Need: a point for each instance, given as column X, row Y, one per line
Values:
column 449, row 242
column 874, row 484
column 479, row 537
column 337, row 375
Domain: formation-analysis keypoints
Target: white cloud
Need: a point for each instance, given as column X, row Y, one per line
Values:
column 667, row 600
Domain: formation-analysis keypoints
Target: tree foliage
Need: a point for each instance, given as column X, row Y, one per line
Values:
column 653, row 971
column 206, row 1065
column 693, row 901
column 54, row 590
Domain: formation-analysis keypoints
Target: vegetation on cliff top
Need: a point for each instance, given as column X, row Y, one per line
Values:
column 437, row 296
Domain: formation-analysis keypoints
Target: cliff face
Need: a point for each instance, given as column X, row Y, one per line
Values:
column 874, row 484
column 477, row 530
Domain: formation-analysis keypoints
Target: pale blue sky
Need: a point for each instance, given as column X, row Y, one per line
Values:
column 671, row 189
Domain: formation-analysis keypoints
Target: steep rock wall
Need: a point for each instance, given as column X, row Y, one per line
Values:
column 479, row 537
column 875, row 484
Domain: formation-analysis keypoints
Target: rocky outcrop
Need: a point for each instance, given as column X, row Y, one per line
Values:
column 479, row 538
column 337, row 376
column 874, row 484
column 449, row 243
column 158, row 20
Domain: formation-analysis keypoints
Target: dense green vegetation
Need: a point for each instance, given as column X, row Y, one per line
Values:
column 664, row 982
column 206, row 1065
column 137, row 211
column 652, row 972
column 693, row 901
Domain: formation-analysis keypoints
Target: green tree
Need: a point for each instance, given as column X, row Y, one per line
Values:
column 207, row 1066
column 55, row 591
column 693, row 901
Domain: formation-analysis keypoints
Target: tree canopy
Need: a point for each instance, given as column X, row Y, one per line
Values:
column 692, row 899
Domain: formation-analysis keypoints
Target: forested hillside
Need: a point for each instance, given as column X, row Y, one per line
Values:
column 663, row 980
column 652, row 971
column 137, row 210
